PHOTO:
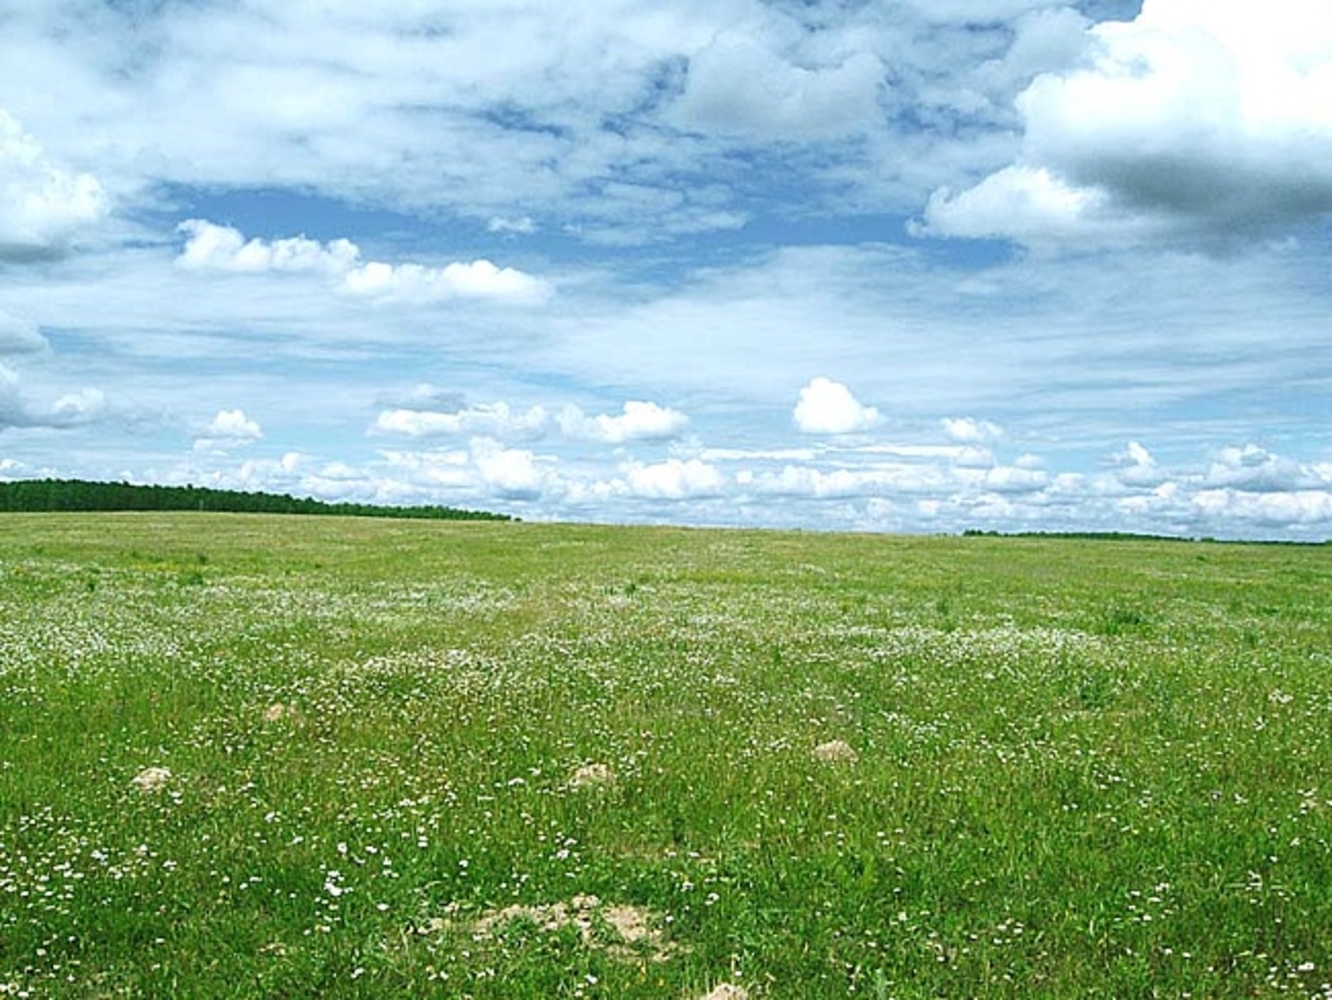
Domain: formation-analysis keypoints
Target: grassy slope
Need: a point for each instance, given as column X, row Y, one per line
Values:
column 1085, row 769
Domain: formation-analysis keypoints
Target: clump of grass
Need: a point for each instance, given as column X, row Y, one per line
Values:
column 1119, row 618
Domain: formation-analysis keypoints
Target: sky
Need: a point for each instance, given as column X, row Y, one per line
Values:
column 872, row 265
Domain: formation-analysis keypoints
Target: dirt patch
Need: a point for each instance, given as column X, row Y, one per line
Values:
column 592, row 776
column 151, row 779
column 727, row 991
column 836, row 752
column 621, row 931
column 278, row 712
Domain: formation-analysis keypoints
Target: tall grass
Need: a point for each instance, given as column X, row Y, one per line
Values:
column 522, row 761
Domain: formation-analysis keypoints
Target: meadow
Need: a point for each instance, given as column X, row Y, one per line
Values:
column 262, row 756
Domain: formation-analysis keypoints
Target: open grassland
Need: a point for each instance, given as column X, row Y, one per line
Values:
column 249, row 756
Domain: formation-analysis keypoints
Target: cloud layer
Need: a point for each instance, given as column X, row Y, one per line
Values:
column 910, row 265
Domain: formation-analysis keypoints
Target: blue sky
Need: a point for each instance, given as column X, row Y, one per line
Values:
column 905, row 265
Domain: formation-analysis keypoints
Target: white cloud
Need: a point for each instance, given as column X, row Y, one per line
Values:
column 42, row 203
column 1255, row 469
column 511, row 472
column 234, row 424
column 1286, row 510
column 968, row 430
column 1007, row 479
column 638, row 421
column 498, row 419
column 211, row 247
column 479, row 279
column 72, row 409
column 222, row 248
column 1199, row 118
column 1034, row 206
column 828, row 407
column 675, row 479
column 1136, row 466
column 227, row 430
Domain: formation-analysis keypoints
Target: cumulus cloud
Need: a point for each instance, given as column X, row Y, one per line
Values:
column 1197, row 118
column 828, row 407
column 675, row 479
column 1285, row 510
column 637, row 421
column 1034, row 206
column 1255, row 469
column 1005, row 479
column 511, row 472
column 227, row 430
column 42, row 203
column 1136, row 466
column 210, row 247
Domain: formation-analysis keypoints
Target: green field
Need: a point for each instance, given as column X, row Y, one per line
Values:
column 532, row 761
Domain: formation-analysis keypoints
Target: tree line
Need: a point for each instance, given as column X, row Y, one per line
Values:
column 35, row 495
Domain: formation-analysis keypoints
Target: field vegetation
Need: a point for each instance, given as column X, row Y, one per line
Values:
column 260, row 756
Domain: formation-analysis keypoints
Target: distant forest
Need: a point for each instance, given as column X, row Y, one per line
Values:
column 34, row 495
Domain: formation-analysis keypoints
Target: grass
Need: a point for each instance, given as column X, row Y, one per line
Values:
column 527, row 761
